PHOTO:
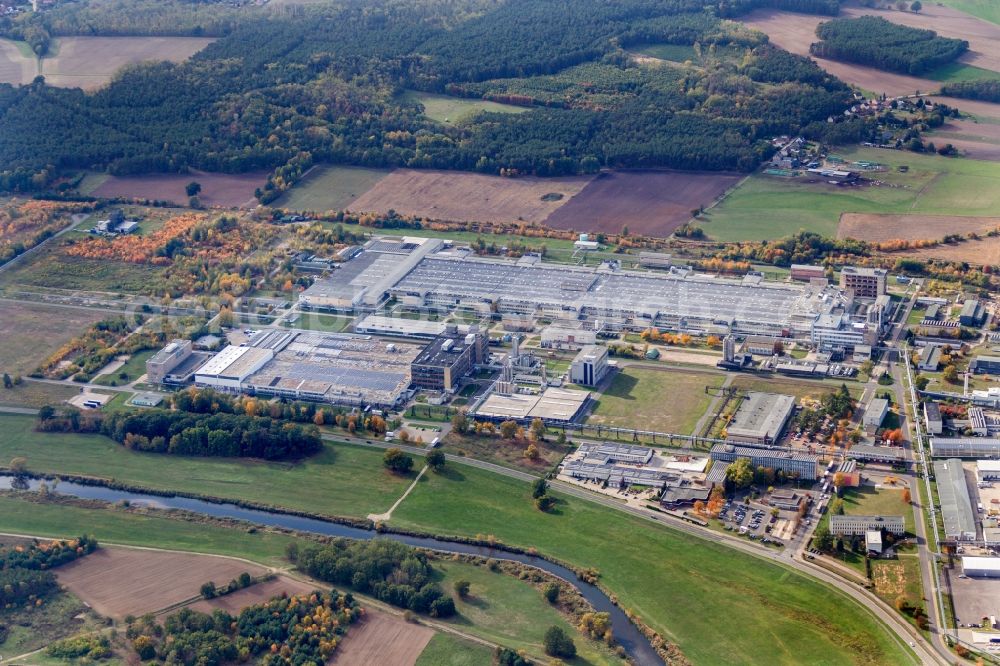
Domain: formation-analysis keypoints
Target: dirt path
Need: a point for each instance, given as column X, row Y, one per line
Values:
column 382, row 517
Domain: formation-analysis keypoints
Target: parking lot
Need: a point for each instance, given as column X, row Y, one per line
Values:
column 974, row 598
column 753, row 520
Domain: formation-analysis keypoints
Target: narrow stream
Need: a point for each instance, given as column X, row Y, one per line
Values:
column 628, row 636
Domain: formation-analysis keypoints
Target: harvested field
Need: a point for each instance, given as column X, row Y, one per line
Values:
column 451, row 195
column 255, row 594
column 382, row 639
column 90, row 62
column 30, row 332
column 16, row 66
column 795, row 32
column 217, row 189
column 979, row 253
column 124, row 581
column 978, row 141
column 882, row 227
column 651, row 203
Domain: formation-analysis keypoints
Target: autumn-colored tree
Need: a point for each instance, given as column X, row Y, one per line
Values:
column 699, row 507
column 531, row 453
column 906, row 496
column 713, row 341
column 508, row 429
column 319, row 419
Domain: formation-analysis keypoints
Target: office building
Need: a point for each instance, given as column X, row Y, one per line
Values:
column 165, row 360
column 448, row 358
column 590, row 366
column 864, row 282
column 800, row 464
column 844, row 525
column 932, row 418
column 874, row 415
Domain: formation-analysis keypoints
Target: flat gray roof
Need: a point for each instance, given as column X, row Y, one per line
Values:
column 953, row 493
column 761, row 415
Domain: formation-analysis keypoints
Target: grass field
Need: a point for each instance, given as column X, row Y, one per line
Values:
column 661, row 400
column 867, row 501
column 36, row 394
column 766, row 207
column 330, row 188
column 31, row 332
column 342, row 480
column 797, row 387
column 453, row 110
column 783, row 618
column 512, row 613
column 55, row 270
column 448, row 650
column 673, row 52
column 59, row 616
column 958, row 71
column 134, row 368
column 115, row 525
column 988, row 10
column 90, row 62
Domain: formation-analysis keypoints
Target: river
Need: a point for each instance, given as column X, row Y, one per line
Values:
column 626, row 633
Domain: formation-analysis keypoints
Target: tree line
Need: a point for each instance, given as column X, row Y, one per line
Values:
column 876, row 42
column 286, row 630
column 25, row 572
column 180, row 433
column 987, row 91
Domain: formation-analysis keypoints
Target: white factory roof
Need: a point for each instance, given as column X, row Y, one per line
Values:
column 234, row 361
column 973, row 563
column 988, row 465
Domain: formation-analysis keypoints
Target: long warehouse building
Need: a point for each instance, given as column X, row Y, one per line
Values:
column 956, row 507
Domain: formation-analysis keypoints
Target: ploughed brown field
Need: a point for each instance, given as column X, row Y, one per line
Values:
column 978, row 141
column 127, row 581
column 795, row 32
column 651, row 203
column 382, row 639
column 255, row 594
column 217, row 189
column 452, row 195
column 15, row 68
column 880, row 228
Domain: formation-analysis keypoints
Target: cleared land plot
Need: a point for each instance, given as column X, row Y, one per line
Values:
column 795, row 32
column 90, row 62
column 17, row 66
column 764, row 207
column 36, row 394
column 255, row 594
column 453, row 110
column 665, row 400
column 450, row 195
column 330, row 188
column 382, row 639
column 801, row 389
column 217, row 189
column 123, row 581
column 651, row 203
column 340, row 480
column 872, row 227
column 31, row 332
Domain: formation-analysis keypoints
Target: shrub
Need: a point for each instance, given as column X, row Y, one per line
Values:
column 558, row 644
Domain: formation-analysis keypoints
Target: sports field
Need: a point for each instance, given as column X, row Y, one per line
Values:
column 329, row 188
column 768, row 207
column 453, row 110
column 665, row 400
column 342, row 480
column 783, row 618
column 90, row 62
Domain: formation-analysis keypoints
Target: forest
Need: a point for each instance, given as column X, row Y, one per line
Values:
column 303, row 629
column 324, row 83
column 390, row 571
column 987, row 91
column 876, row 42
column 25, row 570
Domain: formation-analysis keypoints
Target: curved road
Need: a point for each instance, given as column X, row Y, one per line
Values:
column 903, row 632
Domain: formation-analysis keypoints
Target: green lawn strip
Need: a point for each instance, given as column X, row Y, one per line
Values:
column 114, row 525
column 134, row 368
column 448, row 650
column 680, row 584
column 988, row 10
column 767, row 207
column 452, row 110
column 660, row 400
column 511, row 612
column 342, row 480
